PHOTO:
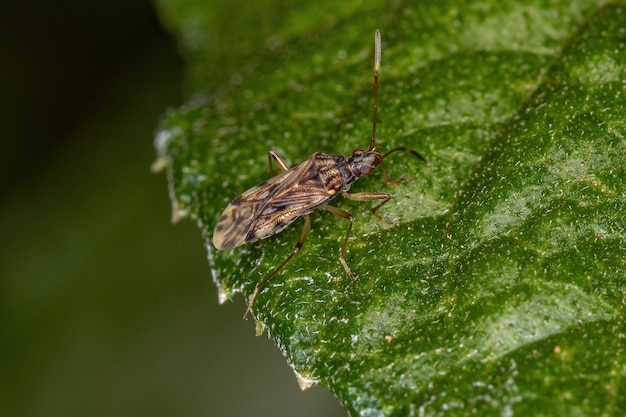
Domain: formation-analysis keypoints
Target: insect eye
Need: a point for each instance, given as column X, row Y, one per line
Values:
column 365, row 169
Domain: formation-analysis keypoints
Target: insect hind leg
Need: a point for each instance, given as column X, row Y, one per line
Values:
column 272, row 154
column 296, row 249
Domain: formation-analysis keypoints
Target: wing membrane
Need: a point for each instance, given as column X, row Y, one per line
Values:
column 270, row 206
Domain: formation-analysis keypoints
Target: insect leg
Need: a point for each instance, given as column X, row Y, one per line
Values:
column 371, row 197
column 296, row 249
column 342, row 255
column 280, row 161
column 399, row 149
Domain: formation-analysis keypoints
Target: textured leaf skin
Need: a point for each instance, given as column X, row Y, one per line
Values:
column 500, row 289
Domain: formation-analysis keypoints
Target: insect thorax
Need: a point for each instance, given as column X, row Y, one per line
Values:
column 336, row 173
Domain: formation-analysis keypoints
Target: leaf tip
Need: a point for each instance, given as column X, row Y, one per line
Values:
column 305, row 381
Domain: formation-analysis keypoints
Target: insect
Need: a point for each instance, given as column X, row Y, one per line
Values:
column 271, row 206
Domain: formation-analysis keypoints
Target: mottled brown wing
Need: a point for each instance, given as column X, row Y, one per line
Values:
column 271, row 206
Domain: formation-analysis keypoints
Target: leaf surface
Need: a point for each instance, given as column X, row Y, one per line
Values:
column 500, row 287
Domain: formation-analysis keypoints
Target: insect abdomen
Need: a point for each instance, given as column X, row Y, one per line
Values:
column 271, row 206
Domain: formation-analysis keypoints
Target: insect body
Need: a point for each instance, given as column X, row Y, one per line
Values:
column 274, row 204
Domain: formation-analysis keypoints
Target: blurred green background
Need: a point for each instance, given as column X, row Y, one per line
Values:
column 106, row 308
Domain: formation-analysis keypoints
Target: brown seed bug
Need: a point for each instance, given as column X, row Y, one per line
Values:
column 274, row 204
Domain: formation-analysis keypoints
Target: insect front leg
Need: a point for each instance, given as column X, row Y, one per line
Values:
column 272, row 154
column 371, row 197
column 296, row 249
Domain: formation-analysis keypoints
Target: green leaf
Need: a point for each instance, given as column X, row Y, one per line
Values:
column 500, row 288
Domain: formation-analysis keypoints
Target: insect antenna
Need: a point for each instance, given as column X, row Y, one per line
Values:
column 376, row 69
column 372, row 147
